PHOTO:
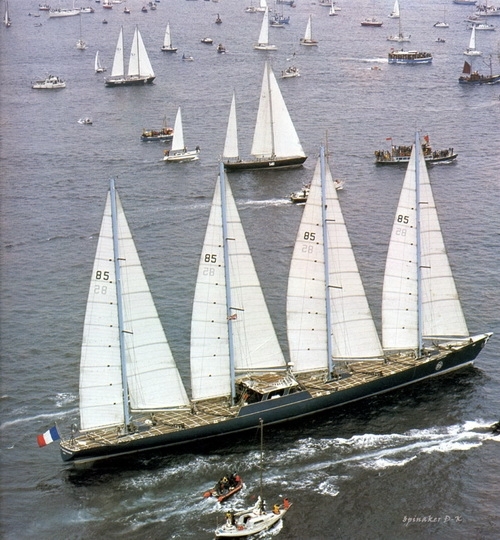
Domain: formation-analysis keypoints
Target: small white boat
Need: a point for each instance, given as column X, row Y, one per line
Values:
column 244, row 523
column 178, row 153
column 50, row 83
column 187, row 58
column 207, row 40
column 308, row 39
column 471, row 49
column 85, row 121
column 167, row 41
column 263, row 43
column 98, row 67
column 482, row 26
column 290, row 72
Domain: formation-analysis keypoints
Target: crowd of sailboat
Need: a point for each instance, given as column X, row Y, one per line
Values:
column 132, row 397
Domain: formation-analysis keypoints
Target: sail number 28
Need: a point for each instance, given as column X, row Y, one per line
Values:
column 210, row 258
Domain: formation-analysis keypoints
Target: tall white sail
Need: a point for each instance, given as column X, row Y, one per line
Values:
column 231, row 150
column 153, row 380
column 325, row 294
column 274, row 134
column 118, row 68
column 167, row 40
column 178, row 138
column 308, row 32
column 419, row 298
column 264, row 29
column 139, row 64
column 255, row 344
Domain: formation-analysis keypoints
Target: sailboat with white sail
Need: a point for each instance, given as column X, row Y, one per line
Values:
column 308, row 39
column 140, row 70
column 131, row 396
column 400, row 37
column 394, row 14
column 6, row 17
column 178, row 152
column 263, row 43
column 275, row 141
column 167, row 41
column 471, row 49
column 98, row 67
column 81, row 45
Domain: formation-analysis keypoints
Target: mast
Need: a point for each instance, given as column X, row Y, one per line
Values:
column 273, row 149
column 228, row 281
column 329, row 342
column 119, row 297
column 418, row 151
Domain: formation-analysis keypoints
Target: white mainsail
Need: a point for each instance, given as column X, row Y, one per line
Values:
column 178, row 138
column 264, row 29
column 275, row 134
column 118, row 69
column 229, row 306
column 395, row 10
column 308, row 32
column 139, row 64
column 325, row 297
column 167, row 40
column 419, row 297
column 231, row 150
column 152, row 377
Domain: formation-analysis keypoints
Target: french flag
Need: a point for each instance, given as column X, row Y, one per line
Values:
column 48, row 437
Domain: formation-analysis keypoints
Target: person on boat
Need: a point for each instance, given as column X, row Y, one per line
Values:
column 286, row 503
column 197, row 148
column 229, row 519
column 234, row 480
column 276, row 509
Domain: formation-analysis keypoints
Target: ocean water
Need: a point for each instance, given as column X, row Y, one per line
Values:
column 417, row 463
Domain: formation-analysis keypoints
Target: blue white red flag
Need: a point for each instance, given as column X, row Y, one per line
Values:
column 48, row 437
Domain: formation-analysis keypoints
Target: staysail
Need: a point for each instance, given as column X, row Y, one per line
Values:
column 124, row 348
column 231, row 150
column 328, row 315
column 118, row 69
column 231, row 329
column 419, row 297
column 274, row 134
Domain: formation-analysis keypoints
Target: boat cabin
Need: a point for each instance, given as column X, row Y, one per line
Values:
column 263, row 387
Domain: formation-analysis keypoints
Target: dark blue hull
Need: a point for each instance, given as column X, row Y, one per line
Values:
column 290, row 407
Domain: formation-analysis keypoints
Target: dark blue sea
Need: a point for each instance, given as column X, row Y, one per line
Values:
column 414, row 464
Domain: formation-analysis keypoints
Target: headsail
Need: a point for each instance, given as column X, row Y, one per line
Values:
column 152, row 378
column 231, row 144
column 178, row 138
column 118, row 69
column 139, row 64
column 327, row 311
column 228, row 306
column 419, row 295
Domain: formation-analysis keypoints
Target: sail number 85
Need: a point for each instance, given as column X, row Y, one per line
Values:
column 403, row 219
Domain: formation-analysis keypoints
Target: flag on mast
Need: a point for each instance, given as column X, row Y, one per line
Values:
column 48, row 437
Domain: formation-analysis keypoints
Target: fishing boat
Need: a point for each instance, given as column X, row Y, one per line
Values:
column 409, row 57
column 225, row 488
column 98, row 67
column 52, row 82
column 471, row 49
column 263, row 43
column 400, row 155
column 167, row 41
column 6, row 17
column 275, row 141
column 132, row 398
column 255, row 520
column 394, row 14
column 140, row 70
column 164, row 134
column 372, row 22
column 308, row 39
column 470, row 76
column 64, row 12
column 178, row 153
